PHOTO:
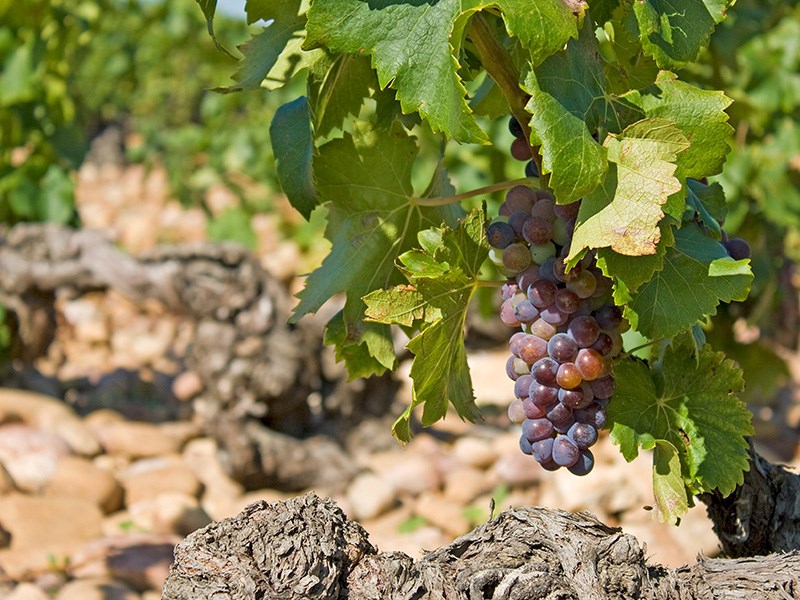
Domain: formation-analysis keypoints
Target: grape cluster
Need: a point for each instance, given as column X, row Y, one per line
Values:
column 570, row 330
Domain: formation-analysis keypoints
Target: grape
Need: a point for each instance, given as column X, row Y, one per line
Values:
column 543, row 329
column 584, row 464
column 546, row 270
column 537, row 230
column 517, row 221
column 508, row 290
column 507, row 315
column 496, row 256
column 543, row 450
column 543, row 396
column 512, row 374
column 572, row 398
column 569, row 376
column 521, row 368
column 520, row 149
column 531, row 170
column 603, row 388
column 565, row 452
column 500, row 234
column 561, row 273
column 525, row 445
column 584, row 330
column 545, row 371
column 590, row 364
column 567, row 301
column 562, row 348
column 616, row 343
column 552, row 315
column 583, row 285
column 528, row 347
column 530, row 409
column 515, row 128
column 561, row 416
column 526, row 312
column 516, row 413
column 737, row 248
column 583, row 434
column 518, row 198
column 541, row 252
column 516, row 257
column 528, row 276
column 609, row 317
column 561, row 235
column 542, row 293
column 567, row 212
column 537, row 429
column 594, row 414
column 603, row 344
column 522, row 385
column 544, row 208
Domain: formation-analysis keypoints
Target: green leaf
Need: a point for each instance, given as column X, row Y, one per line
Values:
column 672, row 501
column 209, row 8
column 673, row 32
column 708, row 203
column 690, row 285
column 366, row 348
column 693, row 405
column 365, row 180
column 341, row 92
column 293, row 147
column 699, row 114
column 624, row 212
column 435, row 301
column 415, row 47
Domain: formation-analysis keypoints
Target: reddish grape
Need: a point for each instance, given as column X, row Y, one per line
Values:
column 565, row 452
column 516, row 257
column 517, row 221
column 584, row 284
column 530, row 409
column 526, row 312
column 567, row 212
column 569, row 376
column 537, row 230
column 561, row 416
column 542, row 293
column 544, row 208
column 519, row 197
column 567, row 301
column 545, row 371
column 532, row 348
column 508, row 290
column 584, row 330
column 522, row 385
column 603, row 388
column 528, row 276
column 562, row 348
column 543, row 396
column 590, row 363
column 520, row 149
column 507, row 315
column 537, row 429
column 603, row 344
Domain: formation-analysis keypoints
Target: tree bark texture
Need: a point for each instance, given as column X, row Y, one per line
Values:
column 305, row 548
column 268, row 387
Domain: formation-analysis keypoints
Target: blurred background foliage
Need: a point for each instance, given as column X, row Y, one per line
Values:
column 71, row 70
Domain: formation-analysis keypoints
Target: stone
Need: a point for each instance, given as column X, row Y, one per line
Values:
column 187, row 385
column 27, row 591
column 77, row 477
column 135, row 439
column 407, row 474
column 475, row 452
column 442, row 513
column 48, row 414
column 517, row 469
column 465, row 484
column 44, row 530
column 148, row 478
column 30, row 455
column 143, row 567
column 369, row 496
column 219, row 508
column 6, row 481
column 96, row 589
column 180, row 431
column 169, row 512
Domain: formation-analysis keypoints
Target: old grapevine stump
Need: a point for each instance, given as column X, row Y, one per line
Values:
column 305, row 548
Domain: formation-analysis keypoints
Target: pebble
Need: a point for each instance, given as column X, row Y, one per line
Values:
column 442, row 513
column 475, row 452
column 406, row 473
column 30, row 455
column 143, row 480
column 135, row 439
column 187, row 385
column 369, row 496
column 517, row 469
column 169, row 512
column 467, row 483
column 77, row 477
column 96, row 589
column 27, row 591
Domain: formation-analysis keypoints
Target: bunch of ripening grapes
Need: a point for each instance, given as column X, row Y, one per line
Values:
column 569, row 327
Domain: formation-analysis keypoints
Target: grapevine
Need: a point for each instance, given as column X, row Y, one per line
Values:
column 610, row 247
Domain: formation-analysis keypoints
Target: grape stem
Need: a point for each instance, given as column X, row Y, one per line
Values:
column 495, row 187
column 498, row 64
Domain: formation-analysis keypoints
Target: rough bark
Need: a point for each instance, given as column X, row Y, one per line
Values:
column 267, row 385
column 762, row 515
column 305, row 548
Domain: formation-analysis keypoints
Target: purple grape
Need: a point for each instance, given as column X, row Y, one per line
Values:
column 546, row 270
column 738, row 248
column 543, row 396
column 583, row 434
column 562, row 348
column 537, row 230
column 609, row 317
column 584, row 464
column 517, row 221
column 594, row 414
column 508, row 290
column 567, row 301
column 543, row 450
column 545, row 371
column 518, row 198
column 544, row 208
column 515, row 128
column 522, row 385
column 537, row 429
column 561, row 273
column 604, row 387
column 552, row 315
column 507, row 315
column 561, row 417
column 530, row 410
column 567, row 212
column 525, row 445
column 565, row 452
column 531, row 348
column 574, row 398
column 604, row 344
column 584, row 330
column 527, row 277
column 542, row 293
column 512, row 374
column 500, row 235
column 525, row 312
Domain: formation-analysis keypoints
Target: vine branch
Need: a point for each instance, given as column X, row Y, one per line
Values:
column 489, row 189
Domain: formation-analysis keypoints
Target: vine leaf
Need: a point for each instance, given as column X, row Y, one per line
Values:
column 293, row 147
column 672, row 501
column 692, row 405
column 624, row 211
column 262, row 51
column 364, row 179
column 673, row 32
column 697, row 275
column 340, row 92
column 441, row 282
column 415, row 47
column 699, row 114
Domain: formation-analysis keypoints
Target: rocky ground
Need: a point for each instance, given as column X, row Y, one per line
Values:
column 96, row 491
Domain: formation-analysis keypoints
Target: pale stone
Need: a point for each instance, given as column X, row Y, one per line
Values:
column 142, row 481
column 77, row 477
column 517, row 470
column 96, row 589
column 486, row 368
column 369, row 496
column 180, row 431
column 407, row 474
column 6, row 482
column 187, row 385
column 169, row 512
column 135, row 439
column 444, row 514
column 30, row 455
column 27, row 591
column 51, row 415
column 467, row 483
column 475, row 452
column 44, row 530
